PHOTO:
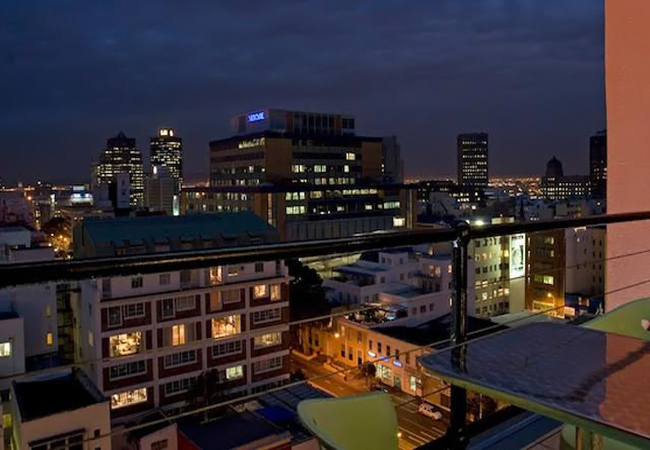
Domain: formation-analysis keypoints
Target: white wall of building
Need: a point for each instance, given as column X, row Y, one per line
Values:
column 11, row 333
column 91, row 418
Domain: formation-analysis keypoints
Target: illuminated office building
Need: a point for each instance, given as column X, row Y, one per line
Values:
column 473, row 159
column 557, row 186
column 167, row 151
column 308, row 174
column 120, row 156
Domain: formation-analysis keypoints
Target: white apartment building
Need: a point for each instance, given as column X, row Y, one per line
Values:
column 62, row 412
column 34, row 304
column 145, row 339
column 408, row 281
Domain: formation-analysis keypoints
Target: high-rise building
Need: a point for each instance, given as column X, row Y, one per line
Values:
column 153, row 335
column 120, row 156
column 308, row 174
column 392, row 165
column 161, row 192
column 473, row 159
column 167, row 151
column 598, row 164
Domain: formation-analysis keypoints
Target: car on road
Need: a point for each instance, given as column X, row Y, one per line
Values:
column 427, row 409
column 380, row 387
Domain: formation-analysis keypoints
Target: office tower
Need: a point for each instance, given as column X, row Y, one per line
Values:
column 598, row 164
column 308, row 174
column 473, row 159
column 167, row 151
column 153, row 335
column 556, row 186
column 120, row 156
column 161, row 191
column 392, row 165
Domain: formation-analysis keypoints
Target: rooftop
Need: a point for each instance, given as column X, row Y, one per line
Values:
column 234, row 431
column 435, row 330
column 38, row 399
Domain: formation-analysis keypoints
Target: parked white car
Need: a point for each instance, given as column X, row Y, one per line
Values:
column 427, row 409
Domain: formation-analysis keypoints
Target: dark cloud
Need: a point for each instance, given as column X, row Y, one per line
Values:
column 74, row 73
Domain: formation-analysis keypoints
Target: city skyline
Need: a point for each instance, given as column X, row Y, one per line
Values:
column 531, row 76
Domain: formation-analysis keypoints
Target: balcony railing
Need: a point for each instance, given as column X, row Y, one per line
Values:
column 459, row 432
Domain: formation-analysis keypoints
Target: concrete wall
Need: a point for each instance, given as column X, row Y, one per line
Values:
column 627, row 67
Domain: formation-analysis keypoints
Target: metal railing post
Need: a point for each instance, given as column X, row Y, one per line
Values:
column 458, row 333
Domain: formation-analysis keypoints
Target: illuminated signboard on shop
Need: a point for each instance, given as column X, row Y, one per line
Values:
column 397, row 363
column 256, row 116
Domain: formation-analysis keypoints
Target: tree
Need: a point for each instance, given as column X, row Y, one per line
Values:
column 206, row 391
column 298, row 375
column 369, row 370
column 306, row 294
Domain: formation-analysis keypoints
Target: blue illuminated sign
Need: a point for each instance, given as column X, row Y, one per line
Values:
column 397, row 363
column 256, row 116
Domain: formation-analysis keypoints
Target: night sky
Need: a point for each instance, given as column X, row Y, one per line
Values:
column 72, row 73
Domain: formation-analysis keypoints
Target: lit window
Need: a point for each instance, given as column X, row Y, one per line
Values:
column 128, row 398
column 350, row 156
column 49, row 339
column 260, row 291
column 178, row 335
column 276, row 292
column 399, row 222
column 346, row 168
column 48, row 311
column 233, row 373
column 268, row 340
column 91, row 339
column 226, row 326
column 5, row 349
column 123, row 344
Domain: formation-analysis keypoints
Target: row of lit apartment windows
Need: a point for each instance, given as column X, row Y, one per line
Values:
column 235, row 372
column 125, row 344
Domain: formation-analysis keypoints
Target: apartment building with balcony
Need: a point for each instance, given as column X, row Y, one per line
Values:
column 408, row 281
column 145, row 339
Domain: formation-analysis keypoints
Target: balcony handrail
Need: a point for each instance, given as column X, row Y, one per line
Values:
column 78, row 269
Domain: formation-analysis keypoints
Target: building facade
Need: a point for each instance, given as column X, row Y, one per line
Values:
column 558, row 187
column 321, row 180
column 598, row 164
column 472, row 154
column 565, row 273
column 167, row 151
column 150, row 337
column 73, row 414
column 161, row 192
column 120, row 156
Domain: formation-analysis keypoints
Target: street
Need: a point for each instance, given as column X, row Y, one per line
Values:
column 415, row 429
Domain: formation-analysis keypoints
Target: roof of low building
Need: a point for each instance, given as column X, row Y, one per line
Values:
column 233, row 431
column 42, row 398
column 437, row 330
column 173, row 230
